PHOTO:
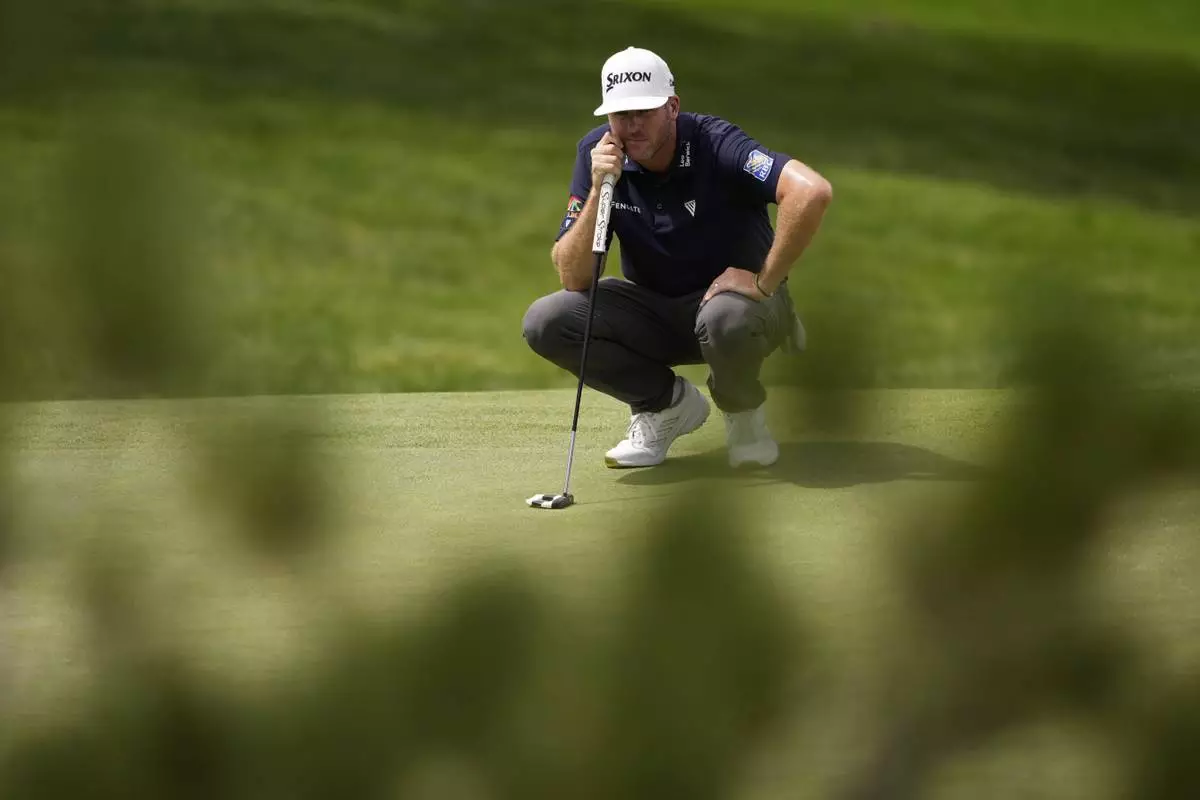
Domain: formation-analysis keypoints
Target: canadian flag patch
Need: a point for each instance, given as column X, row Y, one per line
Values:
column 690, row 205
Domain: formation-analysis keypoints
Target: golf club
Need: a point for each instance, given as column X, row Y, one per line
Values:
column 600, row 249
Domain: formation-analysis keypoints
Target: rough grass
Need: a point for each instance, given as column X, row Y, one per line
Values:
column 372, row 190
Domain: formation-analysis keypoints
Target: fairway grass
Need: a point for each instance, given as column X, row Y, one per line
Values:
column 420, row 488
column 369, row 193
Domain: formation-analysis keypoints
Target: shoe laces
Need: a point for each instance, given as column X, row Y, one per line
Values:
column 647, row 428
column 641, row 431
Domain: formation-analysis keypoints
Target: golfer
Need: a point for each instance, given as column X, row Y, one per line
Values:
column 705, row 275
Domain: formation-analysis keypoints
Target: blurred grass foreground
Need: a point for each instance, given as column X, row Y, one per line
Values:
column 243, row 598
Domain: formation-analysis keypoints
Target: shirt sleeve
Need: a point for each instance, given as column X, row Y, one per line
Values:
column 581, row 187
column 746, row 164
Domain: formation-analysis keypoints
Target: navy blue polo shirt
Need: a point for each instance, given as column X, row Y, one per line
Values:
column 681, row 229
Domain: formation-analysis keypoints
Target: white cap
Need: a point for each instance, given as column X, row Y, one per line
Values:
column 634, row 80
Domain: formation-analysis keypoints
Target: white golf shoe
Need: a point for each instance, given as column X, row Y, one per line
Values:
column 651, row 432
column 749, row 441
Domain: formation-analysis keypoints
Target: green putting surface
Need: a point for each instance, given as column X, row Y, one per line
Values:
column 411, row 464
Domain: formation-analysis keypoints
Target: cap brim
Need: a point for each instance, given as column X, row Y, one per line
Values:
column 643, row 103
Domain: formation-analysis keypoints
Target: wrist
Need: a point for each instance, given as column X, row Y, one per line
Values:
column 764, row 287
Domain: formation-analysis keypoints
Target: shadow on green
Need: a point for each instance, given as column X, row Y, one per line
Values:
column 819, row 465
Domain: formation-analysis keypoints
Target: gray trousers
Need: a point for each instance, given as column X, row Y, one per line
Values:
column 638, row 336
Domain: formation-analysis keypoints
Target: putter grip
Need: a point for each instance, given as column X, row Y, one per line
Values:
column 600, row 239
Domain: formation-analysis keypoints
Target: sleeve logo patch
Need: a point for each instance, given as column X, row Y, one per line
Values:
column 759, row 164
column 574, row 206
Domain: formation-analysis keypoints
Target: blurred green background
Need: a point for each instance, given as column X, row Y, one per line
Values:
column 364, row 194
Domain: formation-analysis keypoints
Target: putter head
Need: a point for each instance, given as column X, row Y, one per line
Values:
column 551, row 500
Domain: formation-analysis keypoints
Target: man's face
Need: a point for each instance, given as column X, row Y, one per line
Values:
column 645, row 133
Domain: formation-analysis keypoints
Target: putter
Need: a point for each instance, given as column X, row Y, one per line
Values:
column 600, row 250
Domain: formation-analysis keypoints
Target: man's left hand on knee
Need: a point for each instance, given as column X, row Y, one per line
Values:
column 734, row 279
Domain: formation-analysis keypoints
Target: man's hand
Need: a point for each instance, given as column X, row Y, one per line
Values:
column 608, row 158
column 734, row 280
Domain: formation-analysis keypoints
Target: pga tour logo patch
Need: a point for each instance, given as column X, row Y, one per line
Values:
column 759, row 164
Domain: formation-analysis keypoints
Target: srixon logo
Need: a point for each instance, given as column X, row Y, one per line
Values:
column 615, row 78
